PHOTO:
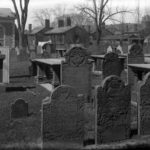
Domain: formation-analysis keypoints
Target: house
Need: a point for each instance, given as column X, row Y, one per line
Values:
column 37, row 34
column 63, row 37
column 7, row 28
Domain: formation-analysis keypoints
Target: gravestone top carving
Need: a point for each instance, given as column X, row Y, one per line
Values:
column 136, row 50
column 76, row 56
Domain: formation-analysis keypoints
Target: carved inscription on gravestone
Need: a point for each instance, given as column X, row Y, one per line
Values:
column 145, row 106
column 111, row 65
column 19, row 109
column 76, row 71
column 113, row 112
column 63, row 117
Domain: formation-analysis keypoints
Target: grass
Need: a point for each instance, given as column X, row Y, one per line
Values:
column 26, row 130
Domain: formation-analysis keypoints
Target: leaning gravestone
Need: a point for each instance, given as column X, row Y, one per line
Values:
column 113, row 110
column 19, row 109
column 63, row 117
column 76, row 71
column 111, row 65
column 144, row 107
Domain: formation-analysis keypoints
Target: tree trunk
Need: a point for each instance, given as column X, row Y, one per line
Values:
column 99, row 32
column 20, row 41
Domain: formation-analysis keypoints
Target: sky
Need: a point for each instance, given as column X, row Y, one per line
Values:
column 38, row 4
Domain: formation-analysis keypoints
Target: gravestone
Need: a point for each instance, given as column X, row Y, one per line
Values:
column 63, row 117
column 113, row 110
column 76, row 71
column 19, row 109
column 135, row 56
column 144, row 107
column 111, row 65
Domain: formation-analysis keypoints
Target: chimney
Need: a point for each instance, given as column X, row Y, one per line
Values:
column 68, row 21
column 60, row 23
column 30, row 28
column 47, row 23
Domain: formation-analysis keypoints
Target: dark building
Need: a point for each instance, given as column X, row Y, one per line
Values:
column 37, row 34
column 65, row 37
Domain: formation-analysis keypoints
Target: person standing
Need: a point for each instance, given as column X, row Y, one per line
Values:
column 119, row 48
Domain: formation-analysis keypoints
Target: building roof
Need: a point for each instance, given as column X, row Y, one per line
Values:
column 59, row 30
column 36, row 30
column 6, row 12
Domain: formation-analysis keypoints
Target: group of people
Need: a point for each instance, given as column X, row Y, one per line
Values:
column 117, row 48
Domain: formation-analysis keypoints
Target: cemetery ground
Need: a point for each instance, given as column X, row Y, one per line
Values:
column 25, row 133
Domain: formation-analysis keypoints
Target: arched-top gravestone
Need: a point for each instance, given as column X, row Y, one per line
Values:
column 113, row 110
column 111, row 65
column 19, row 109
column 76, row 71
column 135, row 56
column 63, row 117
column 144, row 106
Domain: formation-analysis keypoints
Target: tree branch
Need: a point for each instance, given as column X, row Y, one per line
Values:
column 17, row 14
column 113, row 14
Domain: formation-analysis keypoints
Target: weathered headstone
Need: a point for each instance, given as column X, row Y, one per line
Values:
column 113, row 110
column 63, row 117
column 19, row 109
column 144, row 107
column 111, row 65
column 135, row 56
column 76, row 71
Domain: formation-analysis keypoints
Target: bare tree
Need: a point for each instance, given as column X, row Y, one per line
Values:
column 80, row 19
column 21, row 18
column 41, row 14
column 52, row 14
column 100, row 13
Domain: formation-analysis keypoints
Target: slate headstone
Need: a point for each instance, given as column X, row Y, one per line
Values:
column 19, row 109
column 63, row 117
column 111, row 65
column 135, row 56
column 144, row 106
column 76, row 71
column 113, row 110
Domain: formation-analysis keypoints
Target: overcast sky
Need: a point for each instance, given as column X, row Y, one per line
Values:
column 38, row 4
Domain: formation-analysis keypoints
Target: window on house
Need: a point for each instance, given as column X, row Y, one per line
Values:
column 1, row 36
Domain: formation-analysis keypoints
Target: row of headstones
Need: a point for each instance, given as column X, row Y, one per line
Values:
column 76, row 71
column 64, row 118
column 64, row 115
